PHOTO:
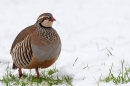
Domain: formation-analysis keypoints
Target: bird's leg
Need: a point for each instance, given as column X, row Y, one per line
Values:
column 38, row 75
column 20, row 72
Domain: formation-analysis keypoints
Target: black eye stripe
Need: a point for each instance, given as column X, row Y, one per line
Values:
column 46, row 18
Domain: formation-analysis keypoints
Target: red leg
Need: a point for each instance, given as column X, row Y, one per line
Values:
column 20, row 72
column 38, row 75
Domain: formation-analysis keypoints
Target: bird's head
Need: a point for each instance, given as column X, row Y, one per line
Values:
column 46, row 19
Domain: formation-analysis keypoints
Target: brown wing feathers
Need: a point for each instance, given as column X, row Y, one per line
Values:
column 21, row 48
column 22, row 35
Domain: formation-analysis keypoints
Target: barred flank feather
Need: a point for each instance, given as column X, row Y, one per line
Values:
column 22, row 53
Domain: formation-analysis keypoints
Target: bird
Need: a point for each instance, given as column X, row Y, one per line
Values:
column 36, row 46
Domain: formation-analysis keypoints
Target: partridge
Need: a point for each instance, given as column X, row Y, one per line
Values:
column 36, row 46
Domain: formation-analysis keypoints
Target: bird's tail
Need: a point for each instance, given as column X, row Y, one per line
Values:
column 14, row 66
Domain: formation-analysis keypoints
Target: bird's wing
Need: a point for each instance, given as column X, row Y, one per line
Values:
column 23, row 34
column 21, row 48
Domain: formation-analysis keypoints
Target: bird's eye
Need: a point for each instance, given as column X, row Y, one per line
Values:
column 49, row 18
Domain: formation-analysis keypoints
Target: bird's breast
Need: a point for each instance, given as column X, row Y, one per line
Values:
column 45, row 52
column 42, row 47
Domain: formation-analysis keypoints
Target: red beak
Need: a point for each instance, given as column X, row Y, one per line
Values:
column 52, row 19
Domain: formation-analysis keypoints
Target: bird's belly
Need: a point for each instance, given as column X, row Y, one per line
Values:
column 34, row 63
column 46, row 52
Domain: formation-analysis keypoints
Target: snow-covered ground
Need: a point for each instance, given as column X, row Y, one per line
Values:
column 87, row 29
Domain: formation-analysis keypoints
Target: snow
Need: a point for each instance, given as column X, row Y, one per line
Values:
column 87, row 29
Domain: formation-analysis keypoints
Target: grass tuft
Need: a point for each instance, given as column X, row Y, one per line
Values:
column 121, row 78
column 46, row 79
column 68, row 80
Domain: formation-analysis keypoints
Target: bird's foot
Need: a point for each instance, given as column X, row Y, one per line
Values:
column 22, row 75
